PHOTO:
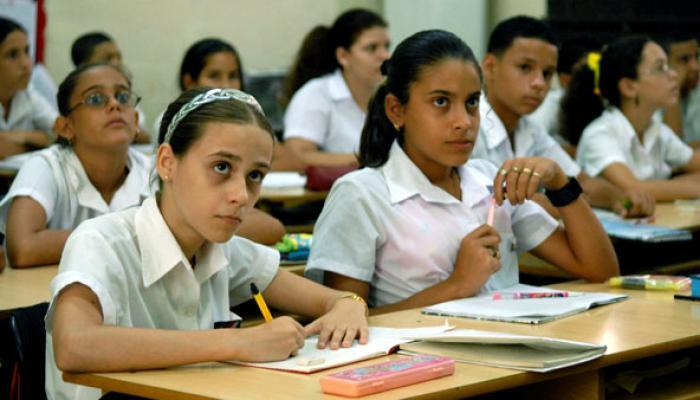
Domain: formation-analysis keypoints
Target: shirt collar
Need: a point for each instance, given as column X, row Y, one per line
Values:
column 134, row 189
column 404, row 180
column 160, row 252
column 491, row 125
column 650, row 135
column 338, row 88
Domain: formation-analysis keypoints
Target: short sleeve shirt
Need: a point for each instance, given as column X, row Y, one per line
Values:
column 324, row 112
column 131, row 261
column 611, row 138
column 29, row 111
column 531, row 140
column 391, row 227
column 55, row 178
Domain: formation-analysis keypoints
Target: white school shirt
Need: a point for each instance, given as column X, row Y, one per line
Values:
column 131, row 261
column 391, row 227
column 56, row 179
column 547, row 114
column 324, row 112
column 29, row 111
column 611, row 138
column 531, row 139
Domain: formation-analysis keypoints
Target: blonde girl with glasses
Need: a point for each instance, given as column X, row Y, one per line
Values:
column 623, row 143
column 90, row 171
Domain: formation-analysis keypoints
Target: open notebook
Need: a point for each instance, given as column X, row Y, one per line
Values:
column 531, row 311
column 529, row 353
column 631, row 229
column 382, row 341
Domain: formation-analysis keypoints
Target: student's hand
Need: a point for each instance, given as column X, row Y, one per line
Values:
column 272, row 341
column 338, row 327
column 635, row 203
column 9, row 146
column 519, row 178
column 477, row 260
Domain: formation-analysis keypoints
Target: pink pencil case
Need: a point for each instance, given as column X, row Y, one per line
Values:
column 387, row 375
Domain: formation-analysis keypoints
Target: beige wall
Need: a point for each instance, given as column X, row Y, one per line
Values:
column 502, row 9
column 153, row 35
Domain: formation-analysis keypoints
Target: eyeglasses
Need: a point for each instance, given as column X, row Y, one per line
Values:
column 125, row 98
column 660, row 69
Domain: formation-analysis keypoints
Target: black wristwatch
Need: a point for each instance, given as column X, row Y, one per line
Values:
column 566, row 195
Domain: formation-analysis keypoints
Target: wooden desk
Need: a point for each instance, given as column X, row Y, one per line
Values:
column 647, row 325
column 675, row 216
column 25, row 287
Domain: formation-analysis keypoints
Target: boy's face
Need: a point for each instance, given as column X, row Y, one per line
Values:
column 683, row 57
column 518, row 79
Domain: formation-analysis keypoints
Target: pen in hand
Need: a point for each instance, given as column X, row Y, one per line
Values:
column 261, row 302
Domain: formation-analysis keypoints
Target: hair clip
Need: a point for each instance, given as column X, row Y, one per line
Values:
column 593, row 61
column 206, row 98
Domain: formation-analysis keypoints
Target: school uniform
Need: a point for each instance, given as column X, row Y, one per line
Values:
column 531, row 139
column 547, row 115
column 611, row 138
column 29, row 111
column 132, row 262
column 56, row 179
column 324, row 112
column 392, row 228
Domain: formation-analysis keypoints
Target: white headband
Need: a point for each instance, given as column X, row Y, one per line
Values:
column 210, row 97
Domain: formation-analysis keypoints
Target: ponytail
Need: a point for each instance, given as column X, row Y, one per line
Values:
column 580, row 105
column 378, row 134
column 315, row 58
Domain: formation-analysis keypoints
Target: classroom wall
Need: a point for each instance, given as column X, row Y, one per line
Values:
column 154, row 35
column 502, row 9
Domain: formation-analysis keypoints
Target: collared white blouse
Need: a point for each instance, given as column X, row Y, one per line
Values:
column 392, row 228
column 611, row 138
column 28, row 111
column 531, row 139
column 131, row 261
column 324, row 112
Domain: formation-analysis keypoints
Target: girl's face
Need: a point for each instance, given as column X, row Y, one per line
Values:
column 362, row 61
column 220, row 71
column 658, row 84
column 94, row 126
column 209, row 190
column 106, row 52
column 15, row 63
column 441, row 119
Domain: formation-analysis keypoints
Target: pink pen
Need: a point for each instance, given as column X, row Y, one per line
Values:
column 530, row 295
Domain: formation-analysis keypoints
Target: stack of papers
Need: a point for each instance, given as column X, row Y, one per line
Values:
column 283, row 180
column 632, row 229
column 531, row 311
column 528, row 353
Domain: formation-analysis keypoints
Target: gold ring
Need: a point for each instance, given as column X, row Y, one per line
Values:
column 527, row 171
column 503, row 172
column 536, row 174
column 515, row 169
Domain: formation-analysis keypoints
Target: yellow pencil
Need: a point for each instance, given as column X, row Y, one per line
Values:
column 261, row 302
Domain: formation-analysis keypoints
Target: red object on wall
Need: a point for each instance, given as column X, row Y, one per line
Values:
column 40, row 26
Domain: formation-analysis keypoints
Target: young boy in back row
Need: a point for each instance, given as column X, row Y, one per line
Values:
column 518, row 68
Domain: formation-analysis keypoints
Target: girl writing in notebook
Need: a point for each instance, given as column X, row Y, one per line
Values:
column 329, row 87
column 159, row 276
column 90, row 172
column 412, row 227
column 624, row 143
column 26, row 119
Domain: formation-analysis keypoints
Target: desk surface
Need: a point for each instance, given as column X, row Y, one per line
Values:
column 630, row 329
column 25, row 287
column 677, row 216
column 291, row 194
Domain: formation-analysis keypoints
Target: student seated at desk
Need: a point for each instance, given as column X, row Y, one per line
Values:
column 329, row 87
column 410, row 229
column 90, row 172
column 159, row 276
column 518, row 67
column 98, row 47
column 26, row 119
column 216, row 63
column 625, row 144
